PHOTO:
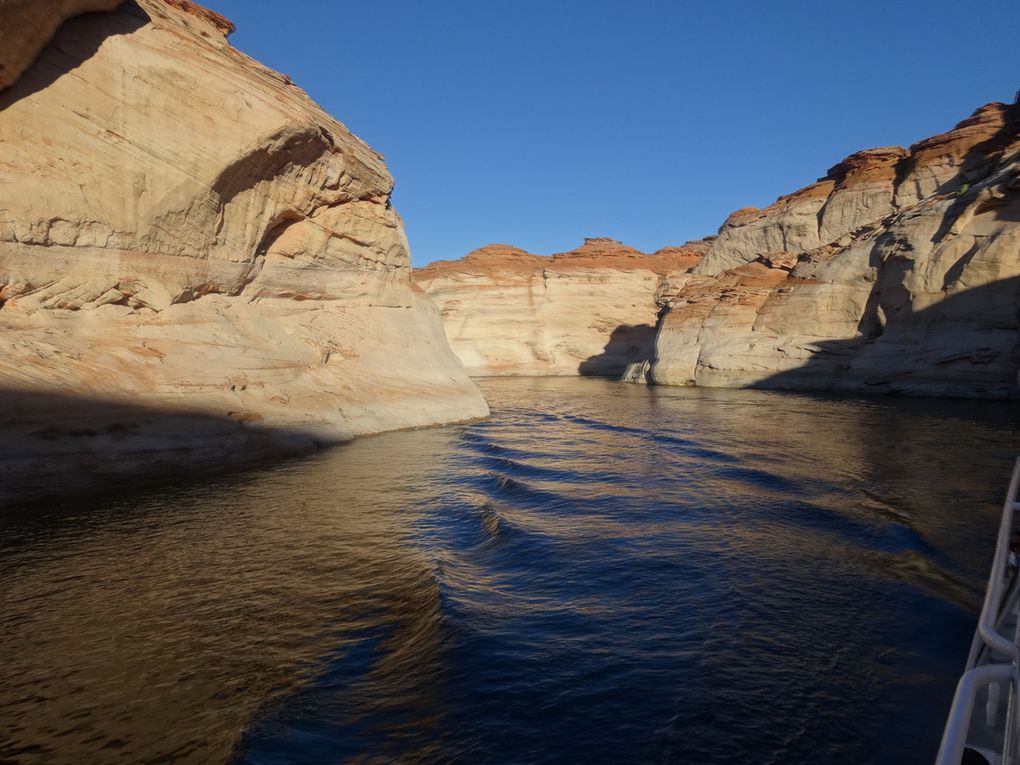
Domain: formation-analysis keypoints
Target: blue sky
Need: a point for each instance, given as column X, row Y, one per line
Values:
column 539, row 123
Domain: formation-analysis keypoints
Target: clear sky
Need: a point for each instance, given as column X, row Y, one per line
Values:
column 539, row 122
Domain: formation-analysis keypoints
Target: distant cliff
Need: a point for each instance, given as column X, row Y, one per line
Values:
column 588, row 311
column 195, row 260
column 899, row 271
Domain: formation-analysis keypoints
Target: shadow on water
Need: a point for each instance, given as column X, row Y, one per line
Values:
column 627, row 344
column 965, row 343
column 175, row 610
column 75, row 42
column 54, row 444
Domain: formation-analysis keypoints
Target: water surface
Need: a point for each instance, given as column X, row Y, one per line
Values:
column 599, row 573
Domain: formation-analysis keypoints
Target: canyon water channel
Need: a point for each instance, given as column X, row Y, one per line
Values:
column 599, row 573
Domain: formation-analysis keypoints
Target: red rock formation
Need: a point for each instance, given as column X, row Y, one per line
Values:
column 596, row 252
column 944, row 162
column 867, row 166
column 896, row 272
column 590, row 310
column 223, row 25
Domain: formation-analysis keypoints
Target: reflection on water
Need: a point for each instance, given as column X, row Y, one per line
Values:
column 599, row 573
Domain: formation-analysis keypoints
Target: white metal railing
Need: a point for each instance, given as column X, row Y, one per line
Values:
column 993, row 659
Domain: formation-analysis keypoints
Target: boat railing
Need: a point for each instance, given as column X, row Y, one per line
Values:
column 993, row 659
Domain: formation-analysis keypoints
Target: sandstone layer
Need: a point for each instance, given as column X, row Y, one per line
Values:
column 588, row 311
column 898, row 272
column 194, row 256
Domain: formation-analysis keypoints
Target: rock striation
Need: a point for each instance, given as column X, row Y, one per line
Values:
column 192, row 250
column 588, row 311
column 898, row 272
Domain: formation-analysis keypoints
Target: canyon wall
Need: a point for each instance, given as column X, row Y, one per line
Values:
column 898, row 272
column 195, row 260
column 588, row 311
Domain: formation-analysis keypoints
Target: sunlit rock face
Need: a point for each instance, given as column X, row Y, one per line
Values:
column 183, row 228
column 898, row 272
column 588, row 311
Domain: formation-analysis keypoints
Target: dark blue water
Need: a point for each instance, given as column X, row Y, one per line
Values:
column 599, row 573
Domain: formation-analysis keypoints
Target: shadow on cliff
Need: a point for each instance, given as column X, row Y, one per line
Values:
column 892, row 269
column 75, row 42
column 974, row 168
column 628, row 344
column 56, row 446
column 965, row 345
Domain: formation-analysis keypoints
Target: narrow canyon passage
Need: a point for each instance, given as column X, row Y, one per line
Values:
column 601, row 572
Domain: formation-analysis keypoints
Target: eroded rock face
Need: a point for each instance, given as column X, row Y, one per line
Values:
column 588, row 311
column 857, row 191
column 897, row 272
column 182, row 229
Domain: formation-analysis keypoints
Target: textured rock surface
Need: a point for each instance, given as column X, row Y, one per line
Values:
column 588, row 311
column 183, row 231
column 897, row 272
column 857, row 191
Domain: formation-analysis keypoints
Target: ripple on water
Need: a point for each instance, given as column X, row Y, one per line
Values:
column 598, row 573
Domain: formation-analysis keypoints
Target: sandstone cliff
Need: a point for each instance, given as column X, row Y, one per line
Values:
column 899, row 271
column 588, row 311
column 184, row 234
